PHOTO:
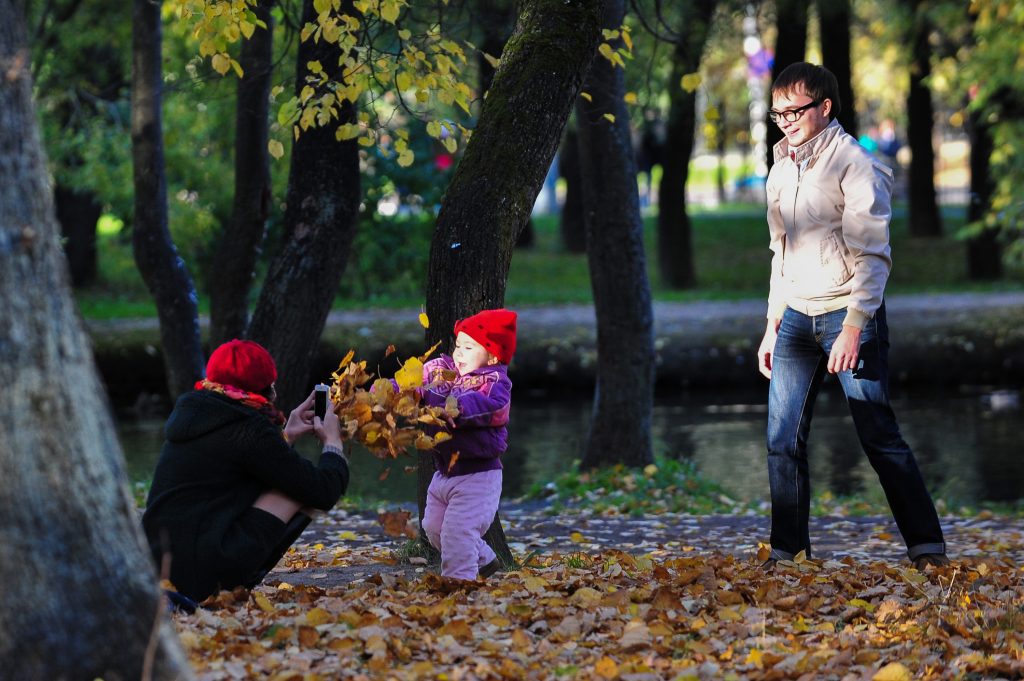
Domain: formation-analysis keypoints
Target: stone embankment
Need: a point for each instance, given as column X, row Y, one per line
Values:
column 940, row 340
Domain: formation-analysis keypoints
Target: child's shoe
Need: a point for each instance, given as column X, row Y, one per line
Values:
column 489, row 569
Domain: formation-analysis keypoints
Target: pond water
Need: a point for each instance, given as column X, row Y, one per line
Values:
column 968, row 444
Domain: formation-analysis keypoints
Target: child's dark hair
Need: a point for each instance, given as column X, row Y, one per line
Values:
column 815, row 81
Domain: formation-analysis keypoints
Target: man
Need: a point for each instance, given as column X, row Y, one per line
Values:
column 829, row 205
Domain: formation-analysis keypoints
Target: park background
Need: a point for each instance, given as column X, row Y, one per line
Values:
column 396, row 187
column 696, row 82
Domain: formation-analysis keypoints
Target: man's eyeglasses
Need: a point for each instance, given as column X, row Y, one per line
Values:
column 791, row 115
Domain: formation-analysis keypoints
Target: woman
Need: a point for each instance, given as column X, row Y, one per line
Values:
column 229, row 494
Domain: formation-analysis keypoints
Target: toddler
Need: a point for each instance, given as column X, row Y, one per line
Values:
column 463, row 495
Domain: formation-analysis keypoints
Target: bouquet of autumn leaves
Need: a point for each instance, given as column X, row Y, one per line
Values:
column 389, row 416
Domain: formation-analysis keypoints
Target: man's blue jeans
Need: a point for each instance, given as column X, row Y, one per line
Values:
column 799, row 363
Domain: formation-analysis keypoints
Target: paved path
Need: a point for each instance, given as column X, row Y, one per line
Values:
column 355, row 547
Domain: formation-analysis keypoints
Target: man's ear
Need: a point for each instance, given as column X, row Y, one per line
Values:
column 826, row 108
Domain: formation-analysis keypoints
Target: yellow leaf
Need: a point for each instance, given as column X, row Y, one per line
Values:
column 318, row 616
column 892, row 672
column 314, row 67
column 237, row 67
column 347, row 535
column 690, row 82
column 263, row 602
column 493, row 61
column 450, row 144
column 403, row 81
column 406, row 158
column 389, row 11
column 276, row 149
column 346, row 131
column 424, row 320
column 606, row 668
column 410, row 375
column 755, row 657
column 610, row 117
column 586, row 96
column 577, row 538
column 405, row 34
column 247, row 28
column 221, row 63
column 650, row 469
column 629, row 98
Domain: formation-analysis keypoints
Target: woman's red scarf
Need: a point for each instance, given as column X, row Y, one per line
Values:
column 252, row 400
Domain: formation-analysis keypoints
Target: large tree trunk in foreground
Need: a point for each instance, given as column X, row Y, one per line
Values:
column 162, row 269
column 925, row 219
column 834, row 22
column 320, row 220
column 239, row 244
column 79, row 597
column 790, row 47
column 497, row 181
column 675, row 237
column 620, row 425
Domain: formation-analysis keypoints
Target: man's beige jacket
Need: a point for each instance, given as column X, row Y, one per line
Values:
column 829, row 205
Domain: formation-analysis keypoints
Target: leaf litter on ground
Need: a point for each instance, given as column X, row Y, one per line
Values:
column 607, row 598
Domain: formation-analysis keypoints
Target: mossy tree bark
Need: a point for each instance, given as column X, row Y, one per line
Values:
column 675, row 239
column 320, row 221
column 158, row 261
column 79, row 597
column 238, row 246
column 497, row 181
column 924, row 217
column 620, row 426
column 790, row 47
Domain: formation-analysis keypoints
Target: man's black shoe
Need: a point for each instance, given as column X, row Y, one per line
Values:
column 926, row 559
column 489, row 569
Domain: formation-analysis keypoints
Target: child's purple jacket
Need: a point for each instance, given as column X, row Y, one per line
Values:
column 479, row 436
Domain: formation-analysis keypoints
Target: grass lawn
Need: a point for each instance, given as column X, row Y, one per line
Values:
column 731, row 243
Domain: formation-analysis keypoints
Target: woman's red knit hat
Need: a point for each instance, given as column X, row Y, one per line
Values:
column 493, row 329
column 243, row 364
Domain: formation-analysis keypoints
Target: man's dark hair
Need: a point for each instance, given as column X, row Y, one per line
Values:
column 815, row 81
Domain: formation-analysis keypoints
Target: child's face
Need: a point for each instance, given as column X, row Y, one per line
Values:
column 469, row 355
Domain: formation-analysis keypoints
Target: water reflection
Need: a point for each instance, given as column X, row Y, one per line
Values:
column 966, row 446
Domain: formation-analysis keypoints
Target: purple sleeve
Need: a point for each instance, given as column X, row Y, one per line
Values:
column 486, row 407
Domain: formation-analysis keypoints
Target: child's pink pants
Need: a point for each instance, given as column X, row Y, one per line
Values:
column 459, row 511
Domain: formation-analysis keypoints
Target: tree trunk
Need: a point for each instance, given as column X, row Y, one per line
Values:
column 790, row 48
column 239, row 244
column 925, row 220
column 497, row 181
column 320, row 219
column 572, row 228
column 78, row 212
column 79, row 597
column 984, row 254
column 834, row 23
column 155, row 255
column 675, row 241
column 620, row 426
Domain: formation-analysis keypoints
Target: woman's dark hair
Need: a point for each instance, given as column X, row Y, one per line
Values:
column 815, row 81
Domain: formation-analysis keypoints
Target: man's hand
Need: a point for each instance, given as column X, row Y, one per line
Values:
column 767, row 349
column 845, row 351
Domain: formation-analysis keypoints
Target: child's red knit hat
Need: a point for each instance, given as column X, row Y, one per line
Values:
column 243, row 364
column 493, row 329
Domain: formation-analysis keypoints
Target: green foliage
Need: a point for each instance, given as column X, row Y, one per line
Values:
column 668, row 485
column 985, row 72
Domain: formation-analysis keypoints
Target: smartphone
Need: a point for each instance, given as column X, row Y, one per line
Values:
column 320, row 400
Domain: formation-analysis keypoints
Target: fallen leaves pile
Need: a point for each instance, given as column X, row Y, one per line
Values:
column 667, row 614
